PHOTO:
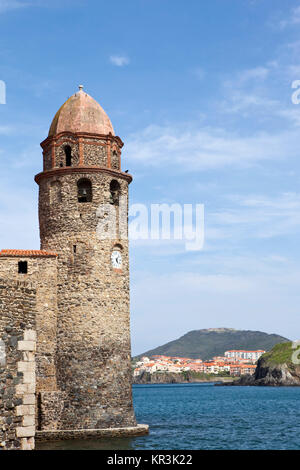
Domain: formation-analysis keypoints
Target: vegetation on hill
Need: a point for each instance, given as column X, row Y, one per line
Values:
column 205, row 344
column 280, row 354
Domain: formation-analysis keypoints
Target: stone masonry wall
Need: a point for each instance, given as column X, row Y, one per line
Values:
column 47, row 159
column 94, row 151
column 60, row 156
column 42, row 273
column 95, row 155
column 17, row 365
column 115, row 159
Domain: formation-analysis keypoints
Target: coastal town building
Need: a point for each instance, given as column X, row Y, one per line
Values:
column 242, row 354
column 242, row 369
column 232, row 363
column 64, row 309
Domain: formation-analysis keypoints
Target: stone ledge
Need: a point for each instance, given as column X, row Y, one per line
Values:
column 62, row 435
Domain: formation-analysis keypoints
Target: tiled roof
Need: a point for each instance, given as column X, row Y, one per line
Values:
column 27, row 253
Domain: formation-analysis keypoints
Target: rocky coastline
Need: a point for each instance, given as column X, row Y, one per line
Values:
column 172, row 378
column 276, row 376
column 274, row 369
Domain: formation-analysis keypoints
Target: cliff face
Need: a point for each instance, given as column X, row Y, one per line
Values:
column 275, row 368
column 275, row 376
column 159, row 378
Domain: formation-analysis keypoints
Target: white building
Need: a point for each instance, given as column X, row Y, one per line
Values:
column 243, row 354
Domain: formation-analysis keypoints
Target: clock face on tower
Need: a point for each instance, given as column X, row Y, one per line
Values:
column 116, row 259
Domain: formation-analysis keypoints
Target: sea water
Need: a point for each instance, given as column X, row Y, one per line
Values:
column 202, row 416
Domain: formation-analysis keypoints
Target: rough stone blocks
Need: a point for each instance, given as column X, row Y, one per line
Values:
column 27, row 431
column 26, row 345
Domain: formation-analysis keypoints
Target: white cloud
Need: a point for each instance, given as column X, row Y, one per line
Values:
column 194, row 149
column 6, row 5
column 245, row 219
column 260, row 93
column 244, row 102
column 255, row 217
column 285, row 201
column 291, row 114
column 293, row 19
column 119, row 61
column 256, row 73
column 249, row 90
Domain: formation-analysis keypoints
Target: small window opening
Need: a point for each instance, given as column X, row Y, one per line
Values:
column 84, row 188
column 74, row 249
column 114, row 192
column 23, row 267
column 68, row 152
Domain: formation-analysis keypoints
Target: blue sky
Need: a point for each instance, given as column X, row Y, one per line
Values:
column 200, row 92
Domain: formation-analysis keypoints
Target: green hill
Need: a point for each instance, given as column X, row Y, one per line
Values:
column 279, row 354
column 205, row 344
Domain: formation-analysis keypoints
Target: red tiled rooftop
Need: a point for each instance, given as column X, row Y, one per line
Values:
column 27, row 253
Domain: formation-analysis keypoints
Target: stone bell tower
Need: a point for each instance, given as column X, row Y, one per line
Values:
column 82, row 172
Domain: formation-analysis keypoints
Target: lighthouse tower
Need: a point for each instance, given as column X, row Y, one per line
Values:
column 81, row 175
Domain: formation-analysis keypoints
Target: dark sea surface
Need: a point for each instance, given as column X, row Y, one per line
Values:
column 202, row 416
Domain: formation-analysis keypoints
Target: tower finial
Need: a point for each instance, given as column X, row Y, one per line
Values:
column 80, row 87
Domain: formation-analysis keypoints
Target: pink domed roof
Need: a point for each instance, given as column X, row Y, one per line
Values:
column 81, row 113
